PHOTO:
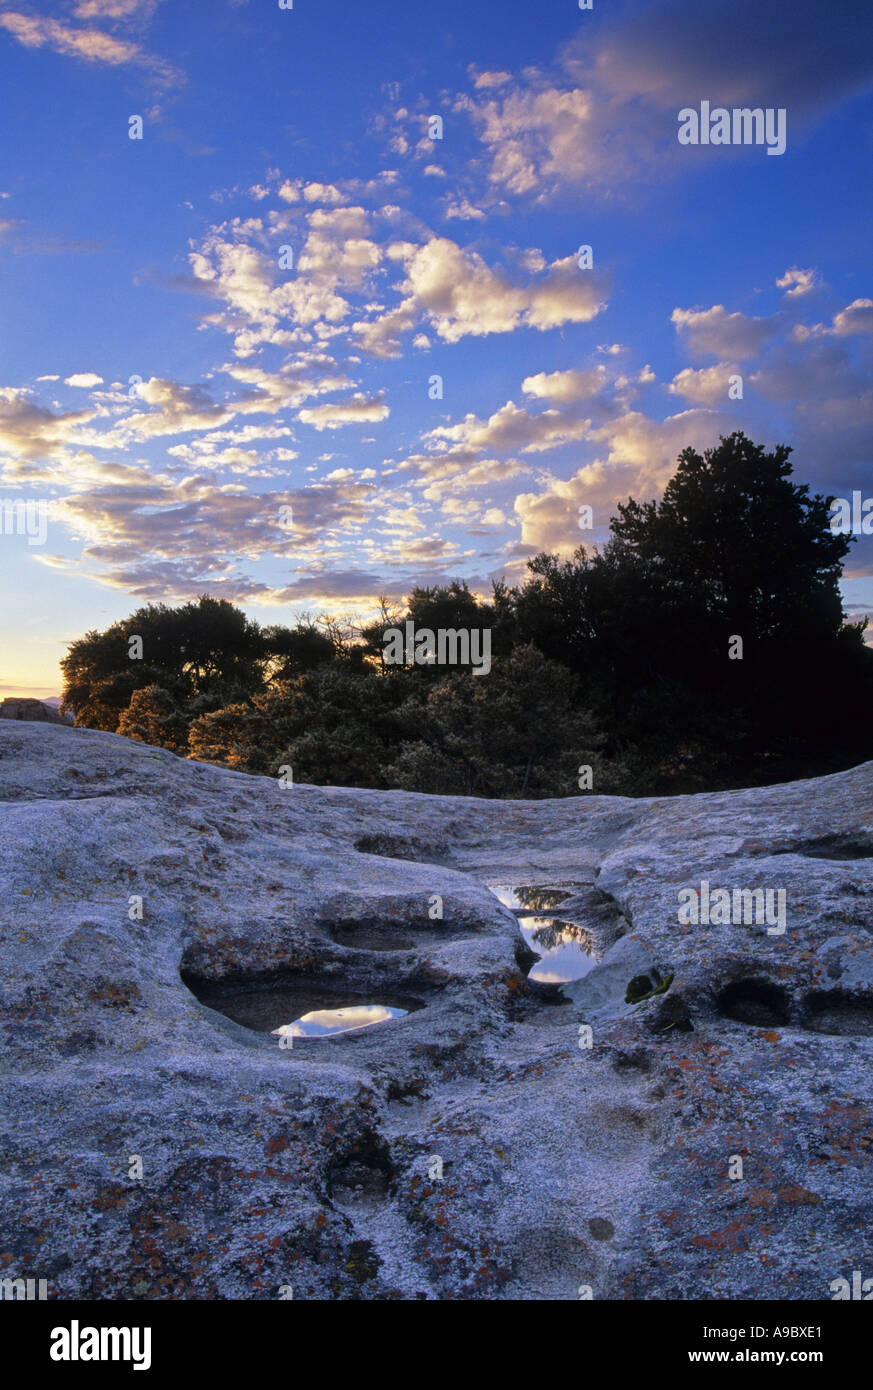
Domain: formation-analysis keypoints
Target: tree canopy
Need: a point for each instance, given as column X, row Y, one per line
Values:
column 704, row 645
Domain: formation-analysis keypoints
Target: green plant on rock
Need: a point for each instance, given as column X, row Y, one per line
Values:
column 641, row 988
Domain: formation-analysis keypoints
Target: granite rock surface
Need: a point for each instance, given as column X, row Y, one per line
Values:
column 692, row 1120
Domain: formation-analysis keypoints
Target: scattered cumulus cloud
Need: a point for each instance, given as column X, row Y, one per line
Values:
column 85, row 380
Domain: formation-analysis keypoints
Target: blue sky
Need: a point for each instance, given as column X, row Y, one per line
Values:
column 168, row 390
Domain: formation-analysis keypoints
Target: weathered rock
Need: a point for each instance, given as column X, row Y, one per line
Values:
column 29, row 709
column 472, row 1149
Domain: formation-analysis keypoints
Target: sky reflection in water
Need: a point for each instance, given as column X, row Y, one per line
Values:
column 565, row 953
column 324, row 1023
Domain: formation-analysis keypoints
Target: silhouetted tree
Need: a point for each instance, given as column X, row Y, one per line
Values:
column 619, row 659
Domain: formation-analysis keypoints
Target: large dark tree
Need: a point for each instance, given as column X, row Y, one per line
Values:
column 733, row 550
column 738, row 543
column 204, row 650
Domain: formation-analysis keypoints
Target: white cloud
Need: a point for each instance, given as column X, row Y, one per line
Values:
column 510, row 428
column 565, row 387
column 640, row 460
column 85, row 380
column 115, row 9
column 722, row 334
column 462, row 296
column 857, row 317
column 491, row 79
column 463, row 210
column 797, row 282
column 356, row 411
column 536, row 138
column 30, row 432
column 708, row 386
column 604, row 114
column 92, row 45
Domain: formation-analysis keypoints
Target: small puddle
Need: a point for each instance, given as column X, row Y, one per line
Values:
column 302, row 1011
column 565, row 950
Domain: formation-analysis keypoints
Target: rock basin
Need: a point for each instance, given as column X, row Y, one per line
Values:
column 566, row 950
